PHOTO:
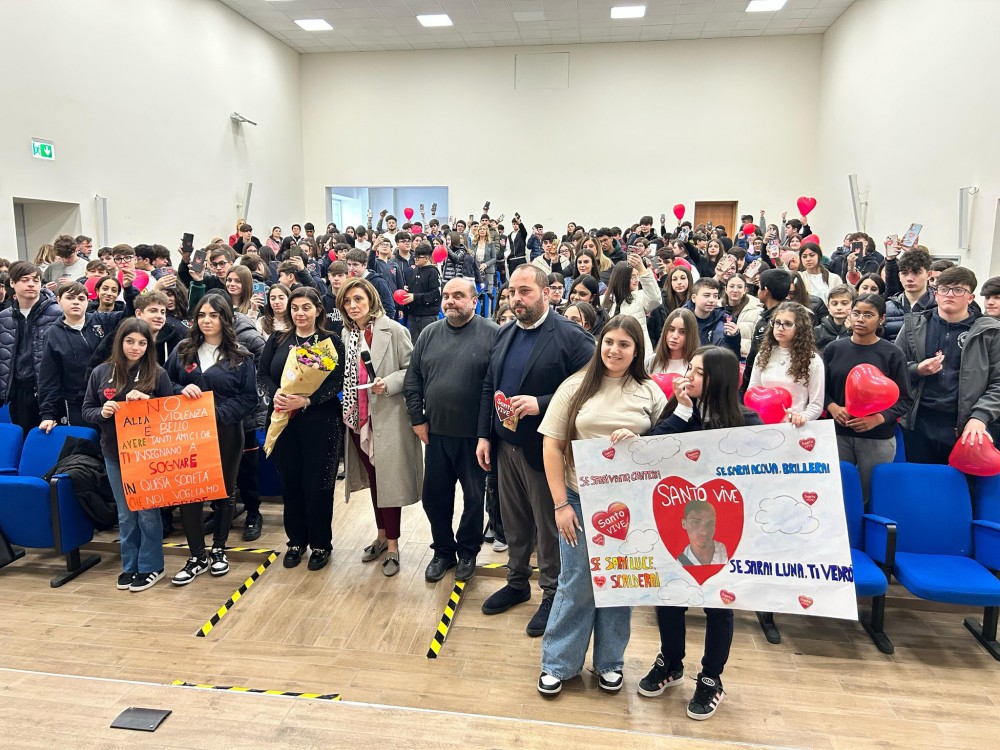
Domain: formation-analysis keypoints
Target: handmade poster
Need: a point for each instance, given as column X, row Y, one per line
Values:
column 746, row 518
column 169, row 451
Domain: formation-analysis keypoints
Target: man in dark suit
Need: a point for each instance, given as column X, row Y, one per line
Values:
column 516, row 250
column 528, row 362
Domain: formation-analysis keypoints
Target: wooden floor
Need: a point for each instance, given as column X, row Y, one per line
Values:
column 351, row 631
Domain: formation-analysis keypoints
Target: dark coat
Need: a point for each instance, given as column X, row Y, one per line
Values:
column 82, row 460
column 235, row 388
column 44, row 314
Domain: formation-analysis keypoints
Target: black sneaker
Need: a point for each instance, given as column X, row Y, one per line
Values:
column 252, row 526
column 319, row 558
column 707, row 697
column 659, row 679
column 220, row 565
column 144, row 581
column 611, row 682
column 536, row 626
column 437, row 567
column 125, row 580
column 466, row 568
column 504, row 599
column 293, row 556
column 193, row 568
column 549, row 685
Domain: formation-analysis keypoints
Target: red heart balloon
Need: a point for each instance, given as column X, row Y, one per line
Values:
column 666, row 382
column 332, row 255
column 868, row 391
column 682, row 263
column 749, row 229
column 439, row 254
column 811, row 238
column 980, row 460
column 417, row 228
column 91, row 285
column 679, row 211
column 805, row 205
column 770, row 403
column 399, row 296
column 408, row 213
column 140, row 282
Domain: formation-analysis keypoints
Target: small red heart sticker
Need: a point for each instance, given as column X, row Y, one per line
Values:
column 694, row 455
column 728, row 597
column 598, row 539
column 805, row 601
column 808, row 443
column 110, row 393
column 191, row 367
column 608, row 453
column 810, row 497
column 600, row 581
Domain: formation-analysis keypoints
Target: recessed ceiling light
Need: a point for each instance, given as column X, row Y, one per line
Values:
column 628, row 11
column 765, row 6
column 440, row 19
column 314, row 24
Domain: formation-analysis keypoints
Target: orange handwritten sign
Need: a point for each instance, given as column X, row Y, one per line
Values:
column 169, row 451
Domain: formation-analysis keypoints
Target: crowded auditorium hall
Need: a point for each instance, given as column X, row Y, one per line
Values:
column 409, row 370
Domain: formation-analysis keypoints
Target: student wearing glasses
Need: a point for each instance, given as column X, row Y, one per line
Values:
column 953, row 361
column 870, row 440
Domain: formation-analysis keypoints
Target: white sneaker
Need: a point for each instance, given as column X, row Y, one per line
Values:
column 499, row 546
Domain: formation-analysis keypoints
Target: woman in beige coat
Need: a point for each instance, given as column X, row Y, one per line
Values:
column 383, row 454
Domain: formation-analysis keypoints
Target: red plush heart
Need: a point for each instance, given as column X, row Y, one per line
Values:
column 808, row 443
column 110, row 393
column 598, row 539
column 504, row 410
column 868, row 391
column 805, row 205
column 666, row 382
column 980, row 460
column 670, row 498
column 728, row 597
column 694, row 455
column 679, row 211
column 609, row 453
column 770, row 403
column 600, row 581
column 614, row 521
column 805, row 601
column 399, row 296
column 810, row 497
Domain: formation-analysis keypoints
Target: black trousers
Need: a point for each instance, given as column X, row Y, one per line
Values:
column 23, row 400
column 306, row 457
column 419, row 323
column 493, row 505
column 448, row 460
column 248, row 477
column 718, row 638
column 933, row 437
column 230, row 450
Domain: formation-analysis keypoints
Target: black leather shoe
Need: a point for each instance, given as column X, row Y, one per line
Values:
column 252, row 526
column 536, row 626
column 319, row 558
column 466, row 569
column 437, row 567
column 293, row 556
column 504, row 599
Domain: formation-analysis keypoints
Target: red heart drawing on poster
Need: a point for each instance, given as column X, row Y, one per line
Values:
column 810, row 497
column 805, row 205
column 699, row 522
column 727, row 596
column 600, row 581
column 693, row 455
column 110, row 393
column 608, row 453
column 805, row 601
column 504, row 410
column 598, row 539
column 808, row 443
column 613, row 522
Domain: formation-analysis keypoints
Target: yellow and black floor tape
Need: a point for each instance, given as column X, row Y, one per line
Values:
column 183, row 545
column 237, row 595
column 446, row 620
column 286, row 693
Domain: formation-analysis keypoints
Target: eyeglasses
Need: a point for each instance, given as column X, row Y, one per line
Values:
column 789, row 324
column 556, row 287
column 952, row 291
column 124, row 258
column 862, row 315
column 219, row 263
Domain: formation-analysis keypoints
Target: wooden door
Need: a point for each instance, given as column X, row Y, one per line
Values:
column 718, row 212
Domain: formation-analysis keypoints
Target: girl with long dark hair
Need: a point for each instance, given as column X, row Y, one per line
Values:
column 677, row 344
column 816, row 278
column 274, row 316
column 612, row 392
column 131, row 373
column 210, row 359
column 624, row 298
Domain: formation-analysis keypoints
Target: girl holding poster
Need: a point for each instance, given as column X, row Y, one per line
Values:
column 130, row 373
column 705, row 399
column 788, row 359
column 612, row 392
column 210, row 359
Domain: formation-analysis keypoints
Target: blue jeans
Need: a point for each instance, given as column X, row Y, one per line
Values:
column 141, row 530
column 574, row 616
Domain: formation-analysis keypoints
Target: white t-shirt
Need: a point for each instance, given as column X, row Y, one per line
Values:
column 678, row 366
column 807, row 398
column 208, row 356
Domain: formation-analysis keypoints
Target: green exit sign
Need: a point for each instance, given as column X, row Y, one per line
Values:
column 43, row 149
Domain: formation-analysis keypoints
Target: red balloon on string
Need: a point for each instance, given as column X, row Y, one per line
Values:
column 978, row 459
column 749, row 229
column 868, row 391
column 399, row 296
column 439, row 254
column 770, row 403
column 140, row 282
column 679, row 211
column 666, row 382
column 417, row 228
column 91, row 285
column 805, row 205
column 408, row 213
column 682, row 263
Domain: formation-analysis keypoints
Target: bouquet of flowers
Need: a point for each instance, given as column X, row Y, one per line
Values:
column 304, row 372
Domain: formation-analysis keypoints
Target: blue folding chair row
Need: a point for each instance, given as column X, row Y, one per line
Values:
column 36, row 513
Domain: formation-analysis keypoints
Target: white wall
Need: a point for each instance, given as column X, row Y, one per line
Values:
column 619, row 142
column 908, row 102
column 136, row 95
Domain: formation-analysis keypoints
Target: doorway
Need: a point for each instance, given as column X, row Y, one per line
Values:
column 720, row 213
column 38, row 222
column 348, row 206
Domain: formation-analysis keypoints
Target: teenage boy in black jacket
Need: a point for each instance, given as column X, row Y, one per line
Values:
column 424, row 295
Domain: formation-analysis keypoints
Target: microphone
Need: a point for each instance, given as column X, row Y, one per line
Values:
column 366, row 359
